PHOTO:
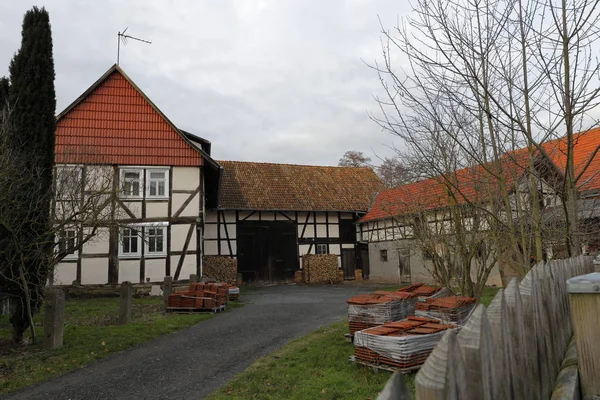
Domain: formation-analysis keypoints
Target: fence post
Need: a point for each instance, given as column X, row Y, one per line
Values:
column 584, row 297
column 443, row 374
column 497, row 315
column 193, row 278
column 477, row 351
column 519, row 320
column 167, row 289
column 54, row 319
column 125, row 300
column 395, row 389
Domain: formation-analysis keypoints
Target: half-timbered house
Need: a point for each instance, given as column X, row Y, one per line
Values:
column 397, row 254
column 270, row 215
column 162, row 180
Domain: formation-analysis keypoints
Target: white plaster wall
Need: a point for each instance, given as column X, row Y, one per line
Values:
column 309, row 232
column 252, row 217
column 191, row 210
column 210, row 231
column 346, row 216
column 134, row 206
column 229, row 216
column 334, row 231
column 290, row 215
column 321, row 231
column 155, row 269
column 210, row 248
column 333, row 217
column 335, row 249
column 243, row 214
column 129, row 270
column 98, row 178
column 347, row 246
column 189, row 267
column 157, row 209
column 267, row 215
column 95, row 271
column 99, row 244
column 225, row 248
column 303, row 249
column 320, row 216
column 65, row 273
column 178, row 235
column 211, row 216
column 186, row 178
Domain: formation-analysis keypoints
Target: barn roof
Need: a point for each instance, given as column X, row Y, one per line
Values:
column 288, row 187
column 114, row 122
column 470, row 183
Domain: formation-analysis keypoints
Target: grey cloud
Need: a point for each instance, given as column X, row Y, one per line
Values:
column 278, row 81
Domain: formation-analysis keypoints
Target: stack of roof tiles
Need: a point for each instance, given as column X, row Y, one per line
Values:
column 402, row 345
column 453, row 309
column 200, row 296
column 373, row 309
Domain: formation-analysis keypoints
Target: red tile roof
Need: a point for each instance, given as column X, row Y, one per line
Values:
column 266, row 186
column 114, row 122
column 430, row 194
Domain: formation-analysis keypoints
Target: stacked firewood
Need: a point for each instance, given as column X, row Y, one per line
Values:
column 220, row 268
column 320, row 268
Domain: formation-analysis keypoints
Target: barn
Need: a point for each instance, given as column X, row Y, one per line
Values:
column 271, row 215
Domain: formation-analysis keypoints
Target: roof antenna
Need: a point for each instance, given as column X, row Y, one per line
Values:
column 122, row 37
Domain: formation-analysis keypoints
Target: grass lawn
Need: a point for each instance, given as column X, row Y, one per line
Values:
column 90, row 334
column 315, row 366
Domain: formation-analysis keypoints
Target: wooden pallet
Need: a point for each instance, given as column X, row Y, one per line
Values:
column 385, row 367
column 192, row 310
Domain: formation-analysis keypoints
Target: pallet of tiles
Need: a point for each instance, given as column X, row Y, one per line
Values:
column 451, row 309
column 200, row 297
column 402, row 346
column 374, row 309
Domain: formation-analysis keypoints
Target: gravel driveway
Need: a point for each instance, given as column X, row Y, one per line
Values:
column 195, row 361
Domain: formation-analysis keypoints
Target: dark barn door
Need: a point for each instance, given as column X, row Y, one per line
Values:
column 267, row 250
column 349, row 263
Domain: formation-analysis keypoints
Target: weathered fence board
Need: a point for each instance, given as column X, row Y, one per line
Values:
column 514, row 349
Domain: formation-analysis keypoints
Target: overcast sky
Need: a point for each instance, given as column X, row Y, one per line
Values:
column 275, row 81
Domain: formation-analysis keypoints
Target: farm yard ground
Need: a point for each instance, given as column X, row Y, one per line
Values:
column 315, row 366
column 190, row 363
column 91, row 333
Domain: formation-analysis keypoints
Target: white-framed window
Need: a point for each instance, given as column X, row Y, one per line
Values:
column 321, row 248
column 130, row 242
column 157, row 183
column 149, row 236
column 156, row 241
column 131, row 183
column 67, row 242
column 68, row 182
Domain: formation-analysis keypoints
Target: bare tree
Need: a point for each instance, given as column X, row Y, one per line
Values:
column 353, row 158
column 393, row 172
column 483, row 79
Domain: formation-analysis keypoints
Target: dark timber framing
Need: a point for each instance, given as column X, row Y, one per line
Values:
column 325, row 227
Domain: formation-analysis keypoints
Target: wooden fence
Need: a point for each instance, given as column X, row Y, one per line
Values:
column 511, row 350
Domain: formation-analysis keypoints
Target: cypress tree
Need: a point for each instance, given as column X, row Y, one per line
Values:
column 3, row 92
column 31, row 140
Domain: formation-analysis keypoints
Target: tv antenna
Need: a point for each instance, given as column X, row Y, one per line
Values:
column 122, row 37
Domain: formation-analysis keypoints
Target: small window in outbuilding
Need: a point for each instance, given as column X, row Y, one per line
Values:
column 383, row 255
column 321, row 249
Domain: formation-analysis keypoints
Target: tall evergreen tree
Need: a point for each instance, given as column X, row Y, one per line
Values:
column 31, row 141
column 4, row 85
